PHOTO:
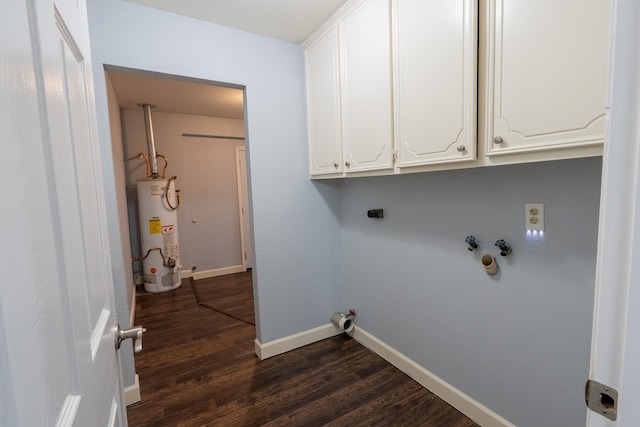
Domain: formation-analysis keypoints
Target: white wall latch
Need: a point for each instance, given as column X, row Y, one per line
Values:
column 601, row 399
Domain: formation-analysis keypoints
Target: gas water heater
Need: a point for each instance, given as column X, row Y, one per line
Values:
column 159, row 234
column 158, row 201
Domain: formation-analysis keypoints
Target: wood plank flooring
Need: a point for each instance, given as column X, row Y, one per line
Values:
column 198, row 368
column 231, row 295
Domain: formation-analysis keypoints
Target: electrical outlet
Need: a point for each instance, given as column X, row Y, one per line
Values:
column 534, row 216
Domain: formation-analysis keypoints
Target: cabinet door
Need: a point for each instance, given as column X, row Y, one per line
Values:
column 366, row 90
column 435, row 72
column 547, row 74
column 323, row 86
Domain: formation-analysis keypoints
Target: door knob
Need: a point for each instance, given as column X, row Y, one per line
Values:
column 134, row 333
column 498, row 140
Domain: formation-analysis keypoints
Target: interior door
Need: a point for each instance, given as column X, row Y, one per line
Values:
column 58, row 364
column 615, row 346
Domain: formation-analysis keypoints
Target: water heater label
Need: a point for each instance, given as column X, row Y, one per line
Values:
column 156, row 190
column 169, row 244
column 155, row 226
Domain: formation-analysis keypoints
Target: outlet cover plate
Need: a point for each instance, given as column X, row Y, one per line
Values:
column 534, row 216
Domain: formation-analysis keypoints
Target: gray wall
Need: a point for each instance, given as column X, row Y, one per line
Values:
column 518, row 342
column 210, row 216
column 206, row 173
column 295, row 228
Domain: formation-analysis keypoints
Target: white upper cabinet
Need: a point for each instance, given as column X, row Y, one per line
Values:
column 546, row 74
column 366, row 87
column 435, row 73
column 402, row 86
column 323, row 102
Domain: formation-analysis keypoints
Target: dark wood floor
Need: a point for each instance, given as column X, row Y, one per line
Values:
column 198, row 368
column 231, row 295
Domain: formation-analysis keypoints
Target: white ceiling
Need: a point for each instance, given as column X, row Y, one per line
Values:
column 175, row 95
column 291, row 20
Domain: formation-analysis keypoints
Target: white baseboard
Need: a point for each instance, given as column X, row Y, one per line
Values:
column 205, row 274
column 456, row 398
column 459, row 400
column 132, row 393
column 282, row 345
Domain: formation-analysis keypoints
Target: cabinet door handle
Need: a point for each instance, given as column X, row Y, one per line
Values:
column 347, row 164
column 498, row 140
column 335, row 165
column 461, row 148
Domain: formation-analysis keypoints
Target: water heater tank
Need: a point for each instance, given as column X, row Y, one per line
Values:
column 159, row 234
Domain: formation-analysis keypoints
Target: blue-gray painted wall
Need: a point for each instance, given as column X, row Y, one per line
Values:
column 517, row 342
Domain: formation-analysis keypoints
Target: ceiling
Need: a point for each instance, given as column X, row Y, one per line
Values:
column 170, row 94
column 290, row 20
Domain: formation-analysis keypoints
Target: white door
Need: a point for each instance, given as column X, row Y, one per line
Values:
column 243, row 201
column 58, row 365
column 615, row 349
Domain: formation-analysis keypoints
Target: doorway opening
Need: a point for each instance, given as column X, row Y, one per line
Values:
column 199, row 130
